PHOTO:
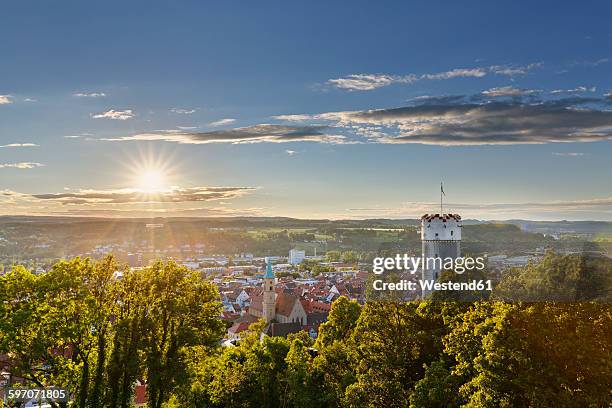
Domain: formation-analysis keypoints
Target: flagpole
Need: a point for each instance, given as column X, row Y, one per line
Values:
column 441, row 191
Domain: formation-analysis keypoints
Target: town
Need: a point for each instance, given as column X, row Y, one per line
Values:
column 292, row 291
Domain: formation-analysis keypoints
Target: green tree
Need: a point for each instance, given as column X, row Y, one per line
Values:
column 394, row 341
column 333, row 256
column 181, row 312
column 340, row 323
column 349, row 257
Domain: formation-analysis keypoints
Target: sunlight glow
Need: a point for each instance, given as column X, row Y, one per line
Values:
column 151, row 180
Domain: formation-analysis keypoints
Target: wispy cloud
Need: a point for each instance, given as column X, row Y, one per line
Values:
column 474, row 123
column 568, row 154
column 20, row 165
column 222, row 122
column 579, row 89
column 250, row 134
column 591, row 63
column 20, row 145
column 182, row 111
column 291, row 152
column 458, row 73
column 176, row 201
column 6, row 99
column 512, row 70
column 509, row 91
column 89, row 94
column 368, row 82
column 79, row 136
column 114, row 114
column 544, row 209
column 124, row 196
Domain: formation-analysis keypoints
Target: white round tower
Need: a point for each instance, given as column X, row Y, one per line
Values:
column 440, row 238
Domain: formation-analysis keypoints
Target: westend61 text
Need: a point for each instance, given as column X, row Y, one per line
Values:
column 412, row 264
column 474, row 285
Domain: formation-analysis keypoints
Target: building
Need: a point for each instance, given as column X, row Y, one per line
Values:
column 280, row 307
column 296, row 256
column 269, row 296
column 440, row 239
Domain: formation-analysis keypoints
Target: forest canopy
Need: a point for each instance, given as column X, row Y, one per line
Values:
column 80, row 327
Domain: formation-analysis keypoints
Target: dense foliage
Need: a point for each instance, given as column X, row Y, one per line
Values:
column 79, row 327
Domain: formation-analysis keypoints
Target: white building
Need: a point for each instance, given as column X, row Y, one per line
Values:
column 440, row 239
column 296, row 256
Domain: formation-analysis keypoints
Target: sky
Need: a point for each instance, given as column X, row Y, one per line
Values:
column 346, row 109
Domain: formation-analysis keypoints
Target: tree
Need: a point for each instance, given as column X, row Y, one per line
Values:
column 573, row 277
column 78, row 327
column 349, row 257
column 181, row 312
column 332, row 256
column 53, row 324
column 393, row 342
column 303, row 390
column 340, row 323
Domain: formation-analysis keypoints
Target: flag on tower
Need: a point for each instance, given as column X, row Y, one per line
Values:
column 442, row 193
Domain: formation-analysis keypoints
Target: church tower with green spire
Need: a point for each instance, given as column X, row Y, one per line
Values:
column 269, row 295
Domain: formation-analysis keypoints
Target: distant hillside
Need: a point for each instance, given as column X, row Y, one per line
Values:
column 588, row 227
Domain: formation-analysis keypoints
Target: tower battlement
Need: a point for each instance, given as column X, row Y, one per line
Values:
column 441, row 227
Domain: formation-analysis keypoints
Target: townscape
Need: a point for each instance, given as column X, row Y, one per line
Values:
column 326, row 259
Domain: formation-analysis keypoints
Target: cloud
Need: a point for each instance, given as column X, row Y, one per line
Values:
column 508, row 91
column 89, row 94
column 368, row 82
column 6, row 99
column 250, row 134
column 30, row 100
column 182, row 111
column 580, row 89
column 222, row 122
column 296, row 118
column 21, row 165
column 568, row 154
column 594, row 63
column 514, row 70
column 291, row 152
column 20, row 145
column 458, row 73
column 482, row 123
column 128, row 202
column 148, row 212
column 79, row 136
column 115, row 114
column 566, row 209
column 125, row 196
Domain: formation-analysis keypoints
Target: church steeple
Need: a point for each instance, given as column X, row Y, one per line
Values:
column 269, row 272
column 269, row 295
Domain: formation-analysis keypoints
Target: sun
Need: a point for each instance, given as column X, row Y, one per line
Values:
column 150, row 172
column 151, row 180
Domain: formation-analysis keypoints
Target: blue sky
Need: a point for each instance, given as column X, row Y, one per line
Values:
column 312, row 109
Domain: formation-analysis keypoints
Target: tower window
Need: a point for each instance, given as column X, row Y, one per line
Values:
column 436, row 234
column 452, row 233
